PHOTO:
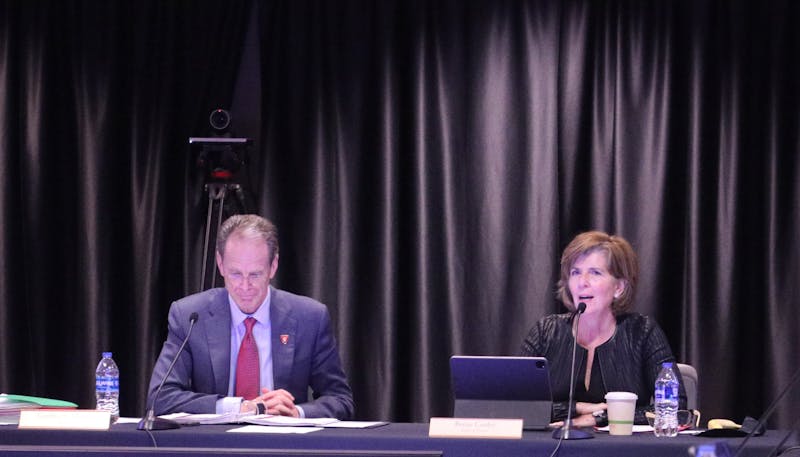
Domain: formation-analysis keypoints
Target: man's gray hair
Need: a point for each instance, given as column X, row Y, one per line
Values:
column 248, row 226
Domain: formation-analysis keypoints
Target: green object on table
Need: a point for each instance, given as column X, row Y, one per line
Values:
column 41, row 401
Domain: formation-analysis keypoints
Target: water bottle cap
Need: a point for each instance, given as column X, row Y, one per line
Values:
column 106, row 355
column 667, row 365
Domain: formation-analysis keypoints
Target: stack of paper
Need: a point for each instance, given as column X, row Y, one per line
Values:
column 275, row 422
column 267, row 419
column 203, row 419
column 12, row 405
column 256, row 419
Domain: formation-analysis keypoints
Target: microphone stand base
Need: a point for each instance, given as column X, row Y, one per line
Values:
column 157, row 424
column 572, row 434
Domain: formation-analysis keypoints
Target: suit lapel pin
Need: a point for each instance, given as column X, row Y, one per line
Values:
column 284, row 339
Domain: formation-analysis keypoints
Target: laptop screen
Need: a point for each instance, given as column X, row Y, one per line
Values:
column 502, row 387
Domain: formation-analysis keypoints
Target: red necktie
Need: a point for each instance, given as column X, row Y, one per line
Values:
column 247, row 370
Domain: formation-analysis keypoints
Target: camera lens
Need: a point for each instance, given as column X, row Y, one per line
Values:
column 220, row 119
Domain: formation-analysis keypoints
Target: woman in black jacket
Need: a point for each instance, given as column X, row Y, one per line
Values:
column 618, row 350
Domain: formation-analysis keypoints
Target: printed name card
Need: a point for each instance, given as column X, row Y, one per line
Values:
column 452, row 427
column 65, row 419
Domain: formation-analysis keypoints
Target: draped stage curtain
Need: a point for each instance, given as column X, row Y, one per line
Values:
column 425, row 161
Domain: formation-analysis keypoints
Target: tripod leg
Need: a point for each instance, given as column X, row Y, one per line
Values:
column 215, row 191
column 219, row 223
column 205, row 242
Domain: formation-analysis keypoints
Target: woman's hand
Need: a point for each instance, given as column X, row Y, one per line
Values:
column 588, row 408
column 584, row 417
column 584, row 420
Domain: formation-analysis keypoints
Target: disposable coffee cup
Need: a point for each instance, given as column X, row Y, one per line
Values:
column 621, row 407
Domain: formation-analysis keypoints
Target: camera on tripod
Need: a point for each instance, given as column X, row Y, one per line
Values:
column 221, row 156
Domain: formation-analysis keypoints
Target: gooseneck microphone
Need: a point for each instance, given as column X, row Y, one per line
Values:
column 759, row 427
column 150, row 421
column 566, row 432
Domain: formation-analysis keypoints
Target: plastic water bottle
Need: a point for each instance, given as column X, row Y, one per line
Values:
column 666, row 402
column 107, row 386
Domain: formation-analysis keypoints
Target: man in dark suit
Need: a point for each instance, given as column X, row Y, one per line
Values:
column 252, row 344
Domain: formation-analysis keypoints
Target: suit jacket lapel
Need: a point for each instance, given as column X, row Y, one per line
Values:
column 218, row 330
column 284, row 336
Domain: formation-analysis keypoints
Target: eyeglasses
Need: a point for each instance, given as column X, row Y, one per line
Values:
column 687, row 418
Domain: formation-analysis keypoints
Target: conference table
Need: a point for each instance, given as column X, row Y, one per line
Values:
column 392, row 439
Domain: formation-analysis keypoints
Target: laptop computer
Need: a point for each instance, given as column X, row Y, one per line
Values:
column 502, row 387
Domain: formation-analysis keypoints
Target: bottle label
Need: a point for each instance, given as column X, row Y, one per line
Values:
column 667, row 393
column 106, row 384
column 670, row 393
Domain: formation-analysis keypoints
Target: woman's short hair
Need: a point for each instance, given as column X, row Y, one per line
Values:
column 622, row 264
column 248, row 226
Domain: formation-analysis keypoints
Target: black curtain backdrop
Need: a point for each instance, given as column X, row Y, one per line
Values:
column 426, row 163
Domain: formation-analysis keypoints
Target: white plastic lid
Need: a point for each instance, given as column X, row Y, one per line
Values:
column 617, row 396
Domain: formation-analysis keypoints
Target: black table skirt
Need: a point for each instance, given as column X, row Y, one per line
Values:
column 389, row 440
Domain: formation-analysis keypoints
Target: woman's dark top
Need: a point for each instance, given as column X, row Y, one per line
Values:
column 629, row 361
column 596, row 392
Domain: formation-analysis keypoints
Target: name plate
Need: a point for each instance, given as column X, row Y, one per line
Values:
column 456, row 427
column 65, row 419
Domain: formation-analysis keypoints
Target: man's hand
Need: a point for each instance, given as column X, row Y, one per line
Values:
column 278, row 402
column 249, row 407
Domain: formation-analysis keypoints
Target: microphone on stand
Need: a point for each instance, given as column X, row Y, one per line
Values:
column 751, row 427
column 566, row 432
column 150, row 421
column 758, row 429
